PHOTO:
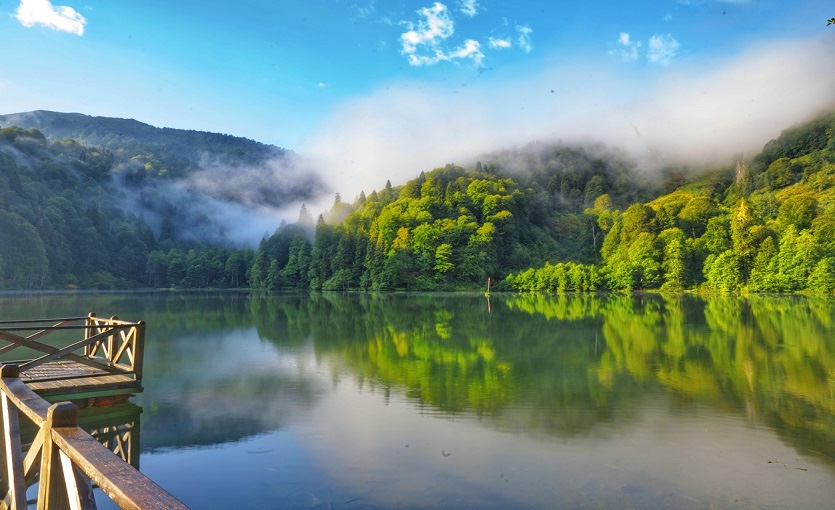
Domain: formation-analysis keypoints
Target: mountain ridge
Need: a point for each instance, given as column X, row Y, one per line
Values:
column 114, row 132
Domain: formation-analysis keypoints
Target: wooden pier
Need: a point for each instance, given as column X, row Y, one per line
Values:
column 105, row 366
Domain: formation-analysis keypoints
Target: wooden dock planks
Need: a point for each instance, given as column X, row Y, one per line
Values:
column 68, row 378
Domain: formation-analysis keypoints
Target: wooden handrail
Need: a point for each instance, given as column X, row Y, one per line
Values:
column 35, row 321
column 69, row 459
column 121, row 343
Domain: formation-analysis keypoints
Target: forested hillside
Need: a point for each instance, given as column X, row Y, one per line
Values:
column 62, row 223
column 763, row 226
column 544, row 217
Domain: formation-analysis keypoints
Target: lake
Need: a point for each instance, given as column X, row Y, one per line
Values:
column 453, row 401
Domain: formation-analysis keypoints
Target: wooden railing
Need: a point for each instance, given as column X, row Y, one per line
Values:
column 65, row 460
column 110, row 345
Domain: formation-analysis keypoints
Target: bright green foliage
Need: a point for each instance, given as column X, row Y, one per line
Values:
column 674, row 265
column 443, row 254
column 765, row 273
column 776, row 235
column 744, row 248
column 716, row 238
column 696, row 214
column 723, row 272
column 822, row 278
column 561, row 277
column 798, row 211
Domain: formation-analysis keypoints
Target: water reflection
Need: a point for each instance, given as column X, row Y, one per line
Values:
column 378, row 398
column 565, row 358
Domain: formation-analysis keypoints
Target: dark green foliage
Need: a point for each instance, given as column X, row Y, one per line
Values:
column 796, row 142
column 62, row 226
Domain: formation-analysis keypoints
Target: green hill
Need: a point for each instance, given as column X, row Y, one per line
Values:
column 545, row 217
column 767, row 226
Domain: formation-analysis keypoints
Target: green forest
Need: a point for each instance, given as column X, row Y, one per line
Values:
column 545, row 217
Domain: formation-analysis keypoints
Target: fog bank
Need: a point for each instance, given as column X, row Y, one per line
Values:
column 695, row 111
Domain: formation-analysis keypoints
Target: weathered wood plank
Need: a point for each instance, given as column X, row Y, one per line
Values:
column 139, row 350
column 79, row 486
column 41, row 321
column 32, row 461
column 126, row 486
column 13, row 453
column 83, row 384
column 24, row 398
column 52, row 492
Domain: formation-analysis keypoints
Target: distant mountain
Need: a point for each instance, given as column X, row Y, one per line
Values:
column 132, row 136
column 223, row 167
column 206, row 187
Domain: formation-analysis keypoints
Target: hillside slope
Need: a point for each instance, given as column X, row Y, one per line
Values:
column 546, row 216
column 767, row 226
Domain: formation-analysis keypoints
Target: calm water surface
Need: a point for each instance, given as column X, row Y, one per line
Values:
column 448, row 401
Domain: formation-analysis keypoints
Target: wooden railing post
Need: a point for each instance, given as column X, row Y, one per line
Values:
column 13, row 486
column 139, row 350
column 112, row 344
column 61, row 485
column 88, row 332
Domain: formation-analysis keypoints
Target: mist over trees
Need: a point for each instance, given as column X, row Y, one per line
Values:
column 545, row 217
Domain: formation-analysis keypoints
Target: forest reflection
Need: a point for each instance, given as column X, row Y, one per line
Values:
column 565, row 363
column 561, row 365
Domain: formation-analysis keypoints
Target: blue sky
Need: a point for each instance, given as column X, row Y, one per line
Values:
column 376, row 89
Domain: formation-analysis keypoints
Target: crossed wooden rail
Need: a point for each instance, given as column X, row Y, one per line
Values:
column 66, row 459
column 109, row 345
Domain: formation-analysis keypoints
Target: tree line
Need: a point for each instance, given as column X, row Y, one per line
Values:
column 545, row 217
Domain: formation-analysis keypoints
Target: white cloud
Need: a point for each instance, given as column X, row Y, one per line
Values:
column 500, row 44
column 321, row 85
column 42, row 12
column 699, row 113
column 422, row 44
column 469, row 7
column 661, row 49
column 626, row 48
column 436, row 26
column 524, row 39
column 470, row 49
